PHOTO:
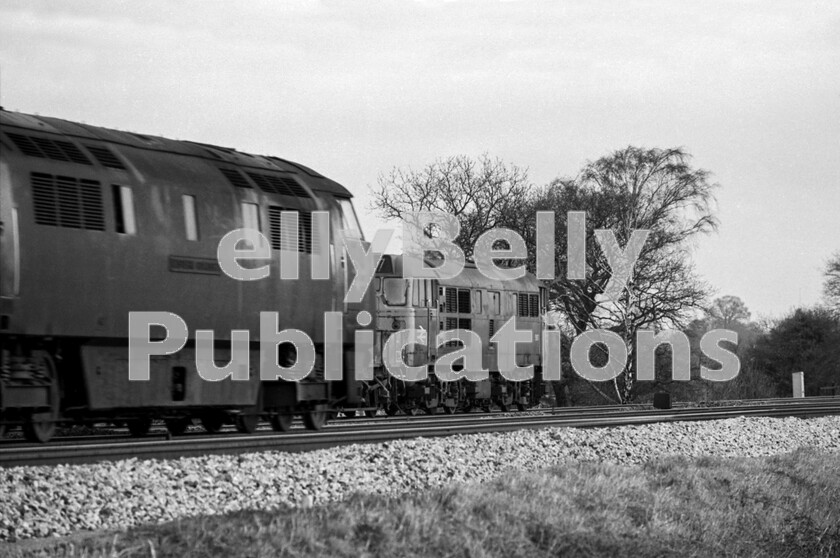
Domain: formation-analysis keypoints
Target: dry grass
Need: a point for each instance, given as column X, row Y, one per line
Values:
column 781, row 506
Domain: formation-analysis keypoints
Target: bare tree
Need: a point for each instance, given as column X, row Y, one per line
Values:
column 634, row 188
column 483, row 194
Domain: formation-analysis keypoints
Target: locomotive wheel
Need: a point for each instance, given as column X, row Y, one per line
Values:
column 468, row 409
column 371, row 413
column 314, row 420
column 503, row 408
column 177, row 426
column 430, row 410
column 213, row 422
column 282, row 421
column 348, row 414
column 246, row 423
column 392, row 409
column 40, row 426
column 521, row 407
column 486, row 408
column 449, row 410
column 139, row 427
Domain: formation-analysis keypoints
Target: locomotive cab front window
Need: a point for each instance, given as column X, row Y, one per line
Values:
column 352, row 229
column 395, row 291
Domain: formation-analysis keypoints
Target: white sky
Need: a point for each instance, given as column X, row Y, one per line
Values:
column 751, row 89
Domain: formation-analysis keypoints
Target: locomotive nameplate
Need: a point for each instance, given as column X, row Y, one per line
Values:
column 186, row 264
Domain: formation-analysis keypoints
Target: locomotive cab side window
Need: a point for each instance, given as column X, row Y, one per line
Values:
column 190, row 220
column 124, row 209
column 251, row 221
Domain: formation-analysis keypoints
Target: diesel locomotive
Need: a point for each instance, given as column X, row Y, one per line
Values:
column 97, row 223
column 469, row 301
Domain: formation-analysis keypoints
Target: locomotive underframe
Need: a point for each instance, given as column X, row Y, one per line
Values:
column 53, row 381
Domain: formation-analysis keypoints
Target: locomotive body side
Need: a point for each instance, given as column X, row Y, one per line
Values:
column 99, row 223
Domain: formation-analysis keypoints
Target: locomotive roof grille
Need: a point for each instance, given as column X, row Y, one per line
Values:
column 105, row 156
column 235, row 178
column 72, row 147
column 275, row 184
column 46, row 148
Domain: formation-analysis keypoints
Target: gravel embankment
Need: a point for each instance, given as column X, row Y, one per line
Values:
column 43, row 501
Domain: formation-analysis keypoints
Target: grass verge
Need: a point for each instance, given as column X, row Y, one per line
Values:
column 785, row 505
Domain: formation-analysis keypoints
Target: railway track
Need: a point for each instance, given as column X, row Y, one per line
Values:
column 359, row 431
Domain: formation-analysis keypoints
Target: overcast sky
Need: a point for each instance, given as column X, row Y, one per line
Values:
column 750, row 89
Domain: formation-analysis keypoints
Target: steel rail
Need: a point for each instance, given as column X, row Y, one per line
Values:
column 385, row 431
column 159, row 430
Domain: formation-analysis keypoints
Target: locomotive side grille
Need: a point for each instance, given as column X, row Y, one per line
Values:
column 464, row 301
column 69, row 203
column 105, row 156
column 64, row 201
column 235, row 178
column 92, row 211
column 305, row 232
column 46, row 148
column 279, row 241
column 451, row 323
column 534, row 305
column 523, row 305
column 282, row 234
column 451, row 301
column 457, row 323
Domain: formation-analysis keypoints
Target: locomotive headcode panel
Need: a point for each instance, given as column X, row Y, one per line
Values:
column 97, row 223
